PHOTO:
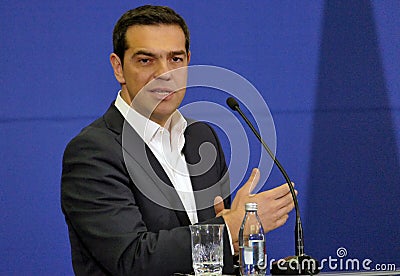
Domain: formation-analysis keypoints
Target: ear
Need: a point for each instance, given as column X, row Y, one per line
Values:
column 117, row 67
column 188, row 57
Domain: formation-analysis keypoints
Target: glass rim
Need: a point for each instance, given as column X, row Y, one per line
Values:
column 207, row 225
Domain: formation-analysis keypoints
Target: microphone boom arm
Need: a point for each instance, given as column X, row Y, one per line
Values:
column 299, row 250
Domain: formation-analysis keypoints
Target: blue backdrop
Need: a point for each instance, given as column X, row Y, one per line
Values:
column 329, row 72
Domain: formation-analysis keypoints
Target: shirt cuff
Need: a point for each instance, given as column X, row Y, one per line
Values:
column 230, row 239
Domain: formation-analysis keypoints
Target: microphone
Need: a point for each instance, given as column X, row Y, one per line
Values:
column 300, row 264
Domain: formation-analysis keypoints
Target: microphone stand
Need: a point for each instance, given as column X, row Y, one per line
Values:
column 300, row 264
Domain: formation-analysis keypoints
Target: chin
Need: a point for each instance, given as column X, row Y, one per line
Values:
column 164, row 114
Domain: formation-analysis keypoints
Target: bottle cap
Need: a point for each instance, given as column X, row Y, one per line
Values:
column 251, row 206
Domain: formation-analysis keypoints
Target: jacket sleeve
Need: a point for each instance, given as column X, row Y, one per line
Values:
column 224, row 176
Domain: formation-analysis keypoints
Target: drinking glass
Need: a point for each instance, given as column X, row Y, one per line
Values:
column 207, row 249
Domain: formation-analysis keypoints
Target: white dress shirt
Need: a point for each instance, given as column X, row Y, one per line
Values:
column 166, row 143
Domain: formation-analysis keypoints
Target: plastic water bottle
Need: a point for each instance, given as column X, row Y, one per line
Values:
column 252, row 257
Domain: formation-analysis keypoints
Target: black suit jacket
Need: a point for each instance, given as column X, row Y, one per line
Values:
column 123, row 215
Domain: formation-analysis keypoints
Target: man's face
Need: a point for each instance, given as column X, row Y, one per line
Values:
column 153, row 50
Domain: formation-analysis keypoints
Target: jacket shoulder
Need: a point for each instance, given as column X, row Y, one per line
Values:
column 102, row 133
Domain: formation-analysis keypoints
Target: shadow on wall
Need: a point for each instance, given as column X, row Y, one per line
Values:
column 355, row 176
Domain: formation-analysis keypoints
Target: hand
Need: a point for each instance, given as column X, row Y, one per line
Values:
column 219, row 206
column 273, row 206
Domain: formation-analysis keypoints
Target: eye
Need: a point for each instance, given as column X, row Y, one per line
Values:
column 144, row 60
column 177, row 59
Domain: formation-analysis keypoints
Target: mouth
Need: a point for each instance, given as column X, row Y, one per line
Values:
column 161, row 93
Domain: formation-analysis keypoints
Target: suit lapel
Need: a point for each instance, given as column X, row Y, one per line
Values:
column 143, row 167
column 199, row 180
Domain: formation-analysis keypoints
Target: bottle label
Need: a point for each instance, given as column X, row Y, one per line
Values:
column 248, row 255
column 258, row 252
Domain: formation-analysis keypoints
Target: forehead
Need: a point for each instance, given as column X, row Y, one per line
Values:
column 158, row 37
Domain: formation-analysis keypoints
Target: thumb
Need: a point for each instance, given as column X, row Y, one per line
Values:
column 252, row 182
column 218, row 205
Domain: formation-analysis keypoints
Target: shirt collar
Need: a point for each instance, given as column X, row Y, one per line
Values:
column 147, row 129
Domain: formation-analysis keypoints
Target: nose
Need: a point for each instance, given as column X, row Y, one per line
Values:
column 163, row 71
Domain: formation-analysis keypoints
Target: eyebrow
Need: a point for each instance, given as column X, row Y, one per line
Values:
column 177, row 53
column 150, row 54
column 143, row 52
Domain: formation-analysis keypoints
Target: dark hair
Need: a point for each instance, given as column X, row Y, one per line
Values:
column 145, row 15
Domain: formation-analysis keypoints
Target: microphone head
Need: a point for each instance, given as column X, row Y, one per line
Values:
column 232, row 103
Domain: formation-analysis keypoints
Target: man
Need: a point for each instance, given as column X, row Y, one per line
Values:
column 133, row 180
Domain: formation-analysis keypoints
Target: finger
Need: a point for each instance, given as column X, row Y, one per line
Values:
column 276, row 193
column 252, row 182
column 286, row 209
column 281, row 221
column 223, row 212
column 284, row 201
column 278, row 222
column 218, row 205
column 282, row 190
